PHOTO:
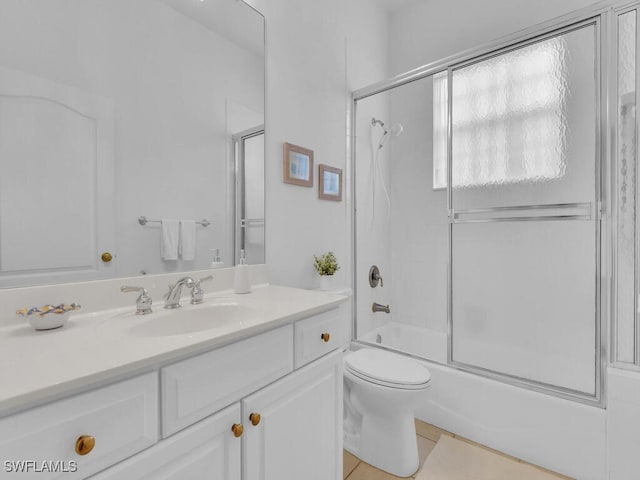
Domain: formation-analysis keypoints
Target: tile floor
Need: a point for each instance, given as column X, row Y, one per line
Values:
column 428, row 435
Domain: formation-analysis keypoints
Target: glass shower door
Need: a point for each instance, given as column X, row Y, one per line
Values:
column 524, row 226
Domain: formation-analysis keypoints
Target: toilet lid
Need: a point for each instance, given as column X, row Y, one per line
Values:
column 387, row 368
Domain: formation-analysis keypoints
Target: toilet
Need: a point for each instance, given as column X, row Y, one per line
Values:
column 382, row 391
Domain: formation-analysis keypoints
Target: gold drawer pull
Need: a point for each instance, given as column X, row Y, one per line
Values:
column 85, row 444
column 325, row 336
column 106, row 257
column 237, row 429
column 255, row 418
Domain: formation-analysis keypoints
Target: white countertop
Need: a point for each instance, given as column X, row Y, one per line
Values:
column 101, row 347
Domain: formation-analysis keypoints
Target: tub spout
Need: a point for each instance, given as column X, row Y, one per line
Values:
column 376, row 307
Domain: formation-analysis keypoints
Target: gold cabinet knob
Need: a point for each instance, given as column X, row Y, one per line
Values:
column 84, row 444
column 106, row 257
column 255, row 418
column 325, row 336
column 237, row 429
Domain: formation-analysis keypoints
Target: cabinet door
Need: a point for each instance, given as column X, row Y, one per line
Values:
column 300, row 430
column 206, row 451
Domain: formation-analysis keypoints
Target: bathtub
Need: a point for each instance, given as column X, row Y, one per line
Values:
column 558, row 434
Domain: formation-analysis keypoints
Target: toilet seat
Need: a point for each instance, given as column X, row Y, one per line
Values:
column 387, row 369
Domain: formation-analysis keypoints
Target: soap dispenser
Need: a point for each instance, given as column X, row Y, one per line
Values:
column 216, row 262
column 241, row 282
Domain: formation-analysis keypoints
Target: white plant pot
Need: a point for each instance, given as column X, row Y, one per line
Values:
column 326, row 282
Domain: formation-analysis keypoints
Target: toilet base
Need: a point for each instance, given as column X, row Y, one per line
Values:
column 389, row 444
column 379, row 423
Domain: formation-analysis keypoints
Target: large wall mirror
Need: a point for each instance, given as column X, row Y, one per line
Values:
column 119, row 120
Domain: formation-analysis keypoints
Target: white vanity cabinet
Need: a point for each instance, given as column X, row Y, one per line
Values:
column 298, row 433
column 265, row 405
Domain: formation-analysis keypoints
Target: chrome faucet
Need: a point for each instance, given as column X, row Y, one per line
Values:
column 172, row 298
column 143, row 302
column 376, row 307
column 197, row 293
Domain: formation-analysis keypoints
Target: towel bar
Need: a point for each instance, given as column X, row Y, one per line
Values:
column 144, row 220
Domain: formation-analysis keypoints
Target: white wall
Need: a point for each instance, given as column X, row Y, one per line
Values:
column 317, row 53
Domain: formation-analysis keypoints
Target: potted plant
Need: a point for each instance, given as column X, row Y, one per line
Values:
column 326, row 265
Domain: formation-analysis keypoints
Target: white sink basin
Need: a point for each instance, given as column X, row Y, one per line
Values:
column 191, row 319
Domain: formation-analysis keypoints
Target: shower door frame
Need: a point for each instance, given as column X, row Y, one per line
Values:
column 566, row 212
column 601, row 16
column 240, row 222
column 616, row 361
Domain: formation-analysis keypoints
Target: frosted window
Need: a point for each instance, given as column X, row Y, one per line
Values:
column 510, row 108
column 524, row 91
column 524, row 125
column 626, row 175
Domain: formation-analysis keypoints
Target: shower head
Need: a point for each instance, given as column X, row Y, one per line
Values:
column 396, row 130
column 375, row 121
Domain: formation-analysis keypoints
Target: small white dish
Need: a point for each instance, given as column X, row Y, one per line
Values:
column 48, row 317
column 48, row 322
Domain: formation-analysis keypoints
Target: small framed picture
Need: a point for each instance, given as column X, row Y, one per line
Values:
column 330, row 183
column 298, row 165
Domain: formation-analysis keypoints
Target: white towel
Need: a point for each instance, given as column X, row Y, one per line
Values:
column 169, row 239
column 188, row 239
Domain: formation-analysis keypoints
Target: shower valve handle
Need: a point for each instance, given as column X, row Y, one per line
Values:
column 375, row 277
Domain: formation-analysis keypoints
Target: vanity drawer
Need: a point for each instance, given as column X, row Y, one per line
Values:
column 197, row 387
column 311, row 338
column 43, row 442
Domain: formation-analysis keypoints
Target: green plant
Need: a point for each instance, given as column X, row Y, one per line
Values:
column 326, row 264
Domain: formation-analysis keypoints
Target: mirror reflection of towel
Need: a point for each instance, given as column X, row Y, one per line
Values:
column 188, row 239
column 169, row 239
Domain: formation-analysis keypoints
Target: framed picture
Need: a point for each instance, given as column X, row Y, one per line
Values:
column 298, row 165
column 330, row 183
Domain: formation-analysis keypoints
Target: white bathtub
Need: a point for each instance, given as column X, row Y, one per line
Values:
column 422, row 342
column 558, row 434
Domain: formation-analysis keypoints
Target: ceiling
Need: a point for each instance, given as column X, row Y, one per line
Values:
column 392, row 6
column 232, row 19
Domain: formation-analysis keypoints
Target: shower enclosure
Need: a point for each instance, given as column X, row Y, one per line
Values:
column 484, row 215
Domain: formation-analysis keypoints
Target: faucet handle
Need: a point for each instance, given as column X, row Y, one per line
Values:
column 197, row 293
column 143, row 302
column 204, row 279
column 375, row 277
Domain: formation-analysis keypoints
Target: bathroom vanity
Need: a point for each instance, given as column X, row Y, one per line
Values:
column 255, row 394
